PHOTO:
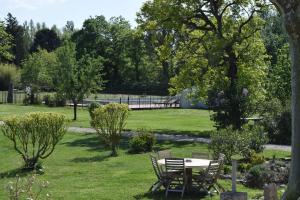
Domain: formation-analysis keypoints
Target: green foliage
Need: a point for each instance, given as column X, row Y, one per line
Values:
column 45, row 39
column 258, row 176
column 5, row 45
column 35, row 135
column 56, row 100
column 109, row 122
column 216, row 49
column 143, row 141
column 30, row 187
column 256, row 159
column 224, row 141
column 8, row 74
column 18, row 48
column 237, row 142
column 77, row 78
column 92, row 107
column 277, row 121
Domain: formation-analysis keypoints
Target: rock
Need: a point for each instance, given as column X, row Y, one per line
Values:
column 270, row 192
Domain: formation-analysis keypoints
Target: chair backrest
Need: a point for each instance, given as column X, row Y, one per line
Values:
column 213, row 171
column 155, row 166
column 164, row 154
column 221, row 157
column 200, row 155
column 175, row 165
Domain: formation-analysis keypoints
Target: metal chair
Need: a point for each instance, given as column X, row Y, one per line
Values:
column 163, row 178
column 208, row 179
column 175, row 168
column 200, row 155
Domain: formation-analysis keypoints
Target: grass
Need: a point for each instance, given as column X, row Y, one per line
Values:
column 170, row 121
column 80, row 168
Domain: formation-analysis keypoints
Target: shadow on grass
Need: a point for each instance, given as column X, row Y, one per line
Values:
column 21, row 172
column 91, row 159
column 204, row 134
column 160, row 195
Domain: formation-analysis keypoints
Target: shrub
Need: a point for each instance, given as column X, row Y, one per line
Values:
column 251, row 139
column 257, row 176
column 224, row 141
column 109, row 121
column 56, row 100
column 256, row 159
column 143, row 141
column 92, row 107
column 237, row 142
column 30, row 188
column 35, row 135
column 277, row 121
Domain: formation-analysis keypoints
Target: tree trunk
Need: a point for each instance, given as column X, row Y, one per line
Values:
column 293, row 191
column 290, row 12
column 114, row 150
column 75, row 109
column 10, row 95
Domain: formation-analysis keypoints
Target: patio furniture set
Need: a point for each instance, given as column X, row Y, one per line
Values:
column 176, row 174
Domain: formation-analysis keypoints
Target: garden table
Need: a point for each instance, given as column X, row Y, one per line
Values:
column 190, row 164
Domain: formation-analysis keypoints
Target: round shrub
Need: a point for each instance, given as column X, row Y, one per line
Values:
column 109, row 122
column 143, row 141
column 257, row 176
column 92, row 107
column 35, row 135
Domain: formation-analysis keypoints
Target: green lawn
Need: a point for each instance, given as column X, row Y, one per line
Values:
column 80, row 168
column 173, row 121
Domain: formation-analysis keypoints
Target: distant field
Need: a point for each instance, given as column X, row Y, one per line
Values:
column 171, row 121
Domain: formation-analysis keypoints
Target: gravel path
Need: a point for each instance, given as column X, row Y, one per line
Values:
column 177, row 138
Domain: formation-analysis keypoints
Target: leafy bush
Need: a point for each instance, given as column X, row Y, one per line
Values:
column 92, row 107
column 277, row 121
column 35, row 135
column 237, row 142
column 30, row 188
column 256, row 159
column 56, row 100
column 143, row 141
column 109, row 122
column 8, row 74
column 257, row 176
column 224, row 141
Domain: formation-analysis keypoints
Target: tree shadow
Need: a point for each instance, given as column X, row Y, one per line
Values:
column 19, row 172
column 160, row 195
column 91, row 159
column 94, row 143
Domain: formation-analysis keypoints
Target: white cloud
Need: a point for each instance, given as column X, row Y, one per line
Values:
column 31, row 4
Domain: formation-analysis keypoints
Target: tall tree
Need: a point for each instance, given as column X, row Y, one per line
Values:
column 77, row 78
column 221, row 34
column 45, row 39
column 5, row 45
column 290, row 13
column 17, row 33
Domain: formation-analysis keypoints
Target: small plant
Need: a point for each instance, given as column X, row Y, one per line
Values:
column 30, row 188
column 143, row 141
column 35, row 135
column 56, row 100
column 257, row 176
column 109, row 122
column 256, row 159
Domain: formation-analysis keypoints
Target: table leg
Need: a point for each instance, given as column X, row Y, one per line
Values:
column 189, row 183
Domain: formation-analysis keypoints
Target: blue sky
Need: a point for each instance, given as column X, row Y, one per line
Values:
column 59, row 11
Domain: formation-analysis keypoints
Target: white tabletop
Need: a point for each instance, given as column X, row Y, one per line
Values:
column 191, row 162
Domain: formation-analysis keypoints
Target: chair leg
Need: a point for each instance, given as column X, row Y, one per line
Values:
column 183, row 189
column 167, row 190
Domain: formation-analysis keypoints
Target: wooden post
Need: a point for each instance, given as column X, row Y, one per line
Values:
column 233, row 195
column 270, row 192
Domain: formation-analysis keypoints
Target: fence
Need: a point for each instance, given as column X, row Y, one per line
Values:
column 134, row 101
